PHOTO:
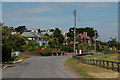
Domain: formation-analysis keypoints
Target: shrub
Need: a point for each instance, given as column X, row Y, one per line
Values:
column 47, row 51
column 66, row 48
column 26, row 48
column 6, row 53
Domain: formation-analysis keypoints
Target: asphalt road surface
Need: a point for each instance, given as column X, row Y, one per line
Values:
column 39, row 67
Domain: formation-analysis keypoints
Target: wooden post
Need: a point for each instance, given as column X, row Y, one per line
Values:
column 118, row 67
column 112, row 66
column 57, row 54
column 107, row 64
column 103, row 63
column 52, row 54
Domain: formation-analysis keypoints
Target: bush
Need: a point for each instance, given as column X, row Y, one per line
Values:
column 47, row 51
column 26, row 48
column 37, row 52
column 66, row 49
column 6, row 53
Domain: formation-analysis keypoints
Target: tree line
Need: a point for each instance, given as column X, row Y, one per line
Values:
column 11, row 43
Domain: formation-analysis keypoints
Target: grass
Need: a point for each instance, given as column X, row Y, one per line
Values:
column 0, row 67
column 17, row 58
column 88, row 71
column 109, row 57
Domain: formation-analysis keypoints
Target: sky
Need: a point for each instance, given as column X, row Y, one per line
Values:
column 59, row 0
column 102, row 16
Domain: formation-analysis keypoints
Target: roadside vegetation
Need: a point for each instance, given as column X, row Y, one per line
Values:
column 109, row 57
column 0, row 67
column 58, row 43
column 88, row 71
column 17, row 58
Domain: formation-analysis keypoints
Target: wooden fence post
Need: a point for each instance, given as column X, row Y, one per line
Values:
column 112, row 66
column 118, row 67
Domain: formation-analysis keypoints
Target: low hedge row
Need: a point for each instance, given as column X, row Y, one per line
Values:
column 47, row 52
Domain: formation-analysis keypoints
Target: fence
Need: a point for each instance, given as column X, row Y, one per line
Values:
column 101, row 63
column 107, row 52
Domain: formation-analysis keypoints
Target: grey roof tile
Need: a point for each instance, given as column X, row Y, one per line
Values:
column 32, row 34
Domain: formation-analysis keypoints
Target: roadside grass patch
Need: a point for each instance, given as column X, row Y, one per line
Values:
column 0, row 67
column 88, row 71
column 74, row 64
column 20, row 57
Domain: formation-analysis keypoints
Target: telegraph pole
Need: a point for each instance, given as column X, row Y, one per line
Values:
column 74, row 29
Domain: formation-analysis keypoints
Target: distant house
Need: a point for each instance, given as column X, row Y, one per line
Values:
column 82, row 37
column 14, row 32
column 48, row 31
column 34, row 30
column 66, row 37
column 38, row 37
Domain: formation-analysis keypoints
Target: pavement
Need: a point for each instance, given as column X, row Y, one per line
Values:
column 39, row 67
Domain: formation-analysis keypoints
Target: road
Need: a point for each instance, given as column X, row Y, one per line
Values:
column 39, row 67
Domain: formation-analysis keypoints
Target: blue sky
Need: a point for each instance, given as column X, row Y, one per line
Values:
column 103, row 16
column 59, row 0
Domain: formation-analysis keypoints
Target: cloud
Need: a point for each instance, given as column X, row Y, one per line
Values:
column 37, row 9
column 96, row 5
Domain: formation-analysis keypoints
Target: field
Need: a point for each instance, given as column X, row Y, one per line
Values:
column 88, row 71
column 109, row 57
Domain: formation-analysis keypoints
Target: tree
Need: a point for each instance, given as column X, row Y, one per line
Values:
column 51, row 30
column 112, row 42
column 6, row 53
column 39, row 30
column 10, row 43
column 46, row 34
column 6, row 49
column 21, row 29
column 90, row 32
column 58, row 35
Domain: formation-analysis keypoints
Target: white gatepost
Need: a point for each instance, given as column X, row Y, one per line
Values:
column 76, row 51
column 80, row 51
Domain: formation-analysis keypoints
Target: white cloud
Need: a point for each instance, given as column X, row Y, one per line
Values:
column 96, row 5
column 46, row 8
column 37, row 9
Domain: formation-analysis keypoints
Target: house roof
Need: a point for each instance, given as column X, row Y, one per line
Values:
column 32, row 34
column 49, row 33
column 84, row 35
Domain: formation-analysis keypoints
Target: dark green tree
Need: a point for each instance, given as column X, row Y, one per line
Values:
column 39, row 30
column 58, row 35
column 90, row 32
column 51, row 30
column 112, row 42
column 46, row 34
column 6, row 52
column 21, row 29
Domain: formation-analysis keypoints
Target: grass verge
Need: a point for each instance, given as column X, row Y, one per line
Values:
column 20, row 57
column 88, row 71
column 0, row 67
